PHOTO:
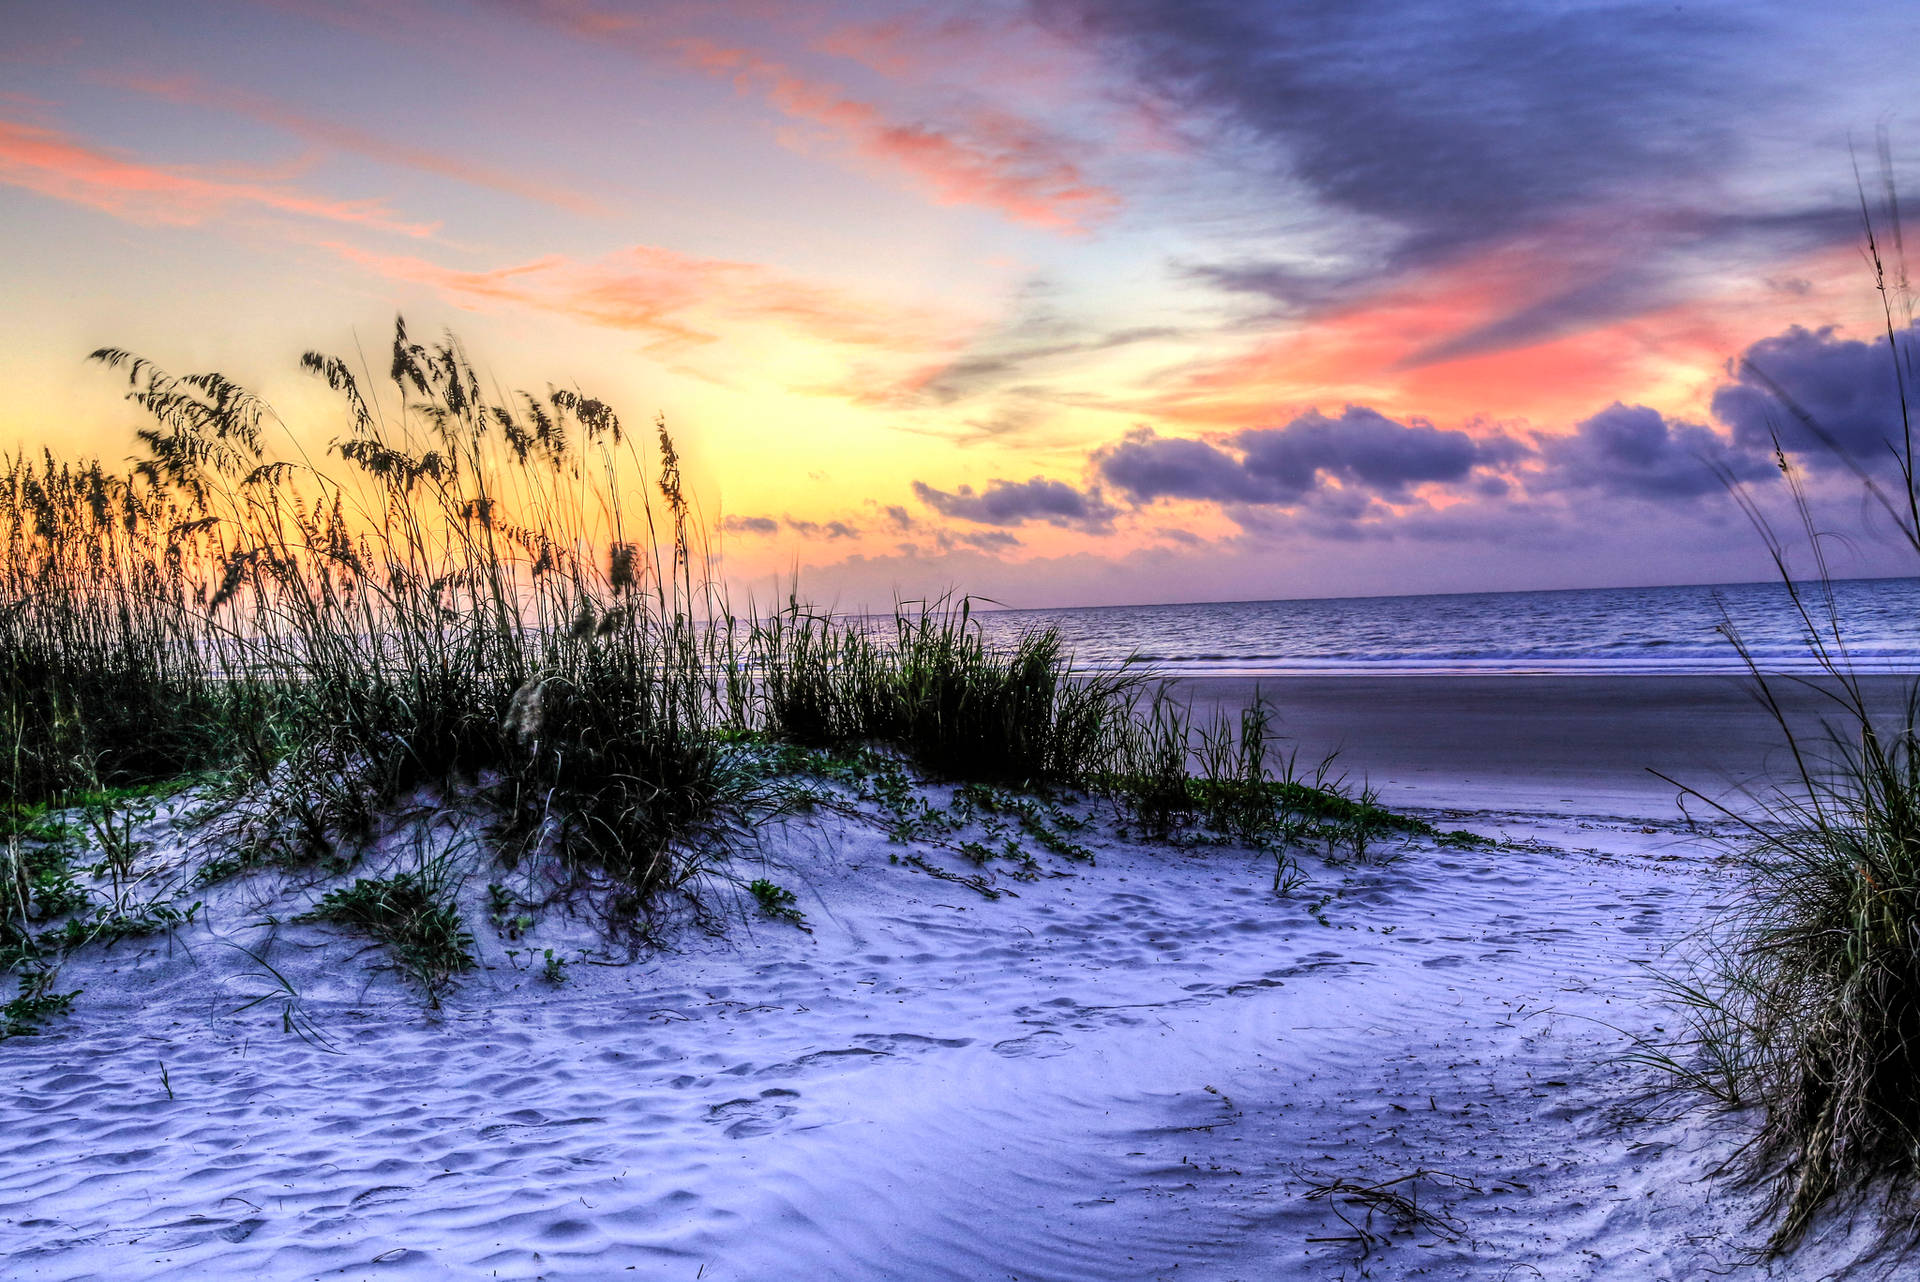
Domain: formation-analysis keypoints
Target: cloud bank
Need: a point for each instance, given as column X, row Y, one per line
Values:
column 1360, row 450
column 1361, row 475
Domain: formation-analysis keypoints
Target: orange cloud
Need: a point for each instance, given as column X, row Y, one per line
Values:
column 997, row 160
column 53, row 164
column 677, row 300
column 346, row 138
column 1669, row 356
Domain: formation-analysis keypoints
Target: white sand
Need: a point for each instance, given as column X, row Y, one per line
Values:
column 1133, row 1070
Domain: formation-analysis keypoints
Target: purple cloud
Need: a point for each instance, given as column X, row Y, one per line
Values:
column 1634, row 452
column 1363, row 450
column 1822, row 394
column 1017, row 502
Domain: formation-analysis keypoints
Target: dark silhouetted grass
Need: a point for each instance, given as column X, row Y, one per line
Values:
column 105, row 666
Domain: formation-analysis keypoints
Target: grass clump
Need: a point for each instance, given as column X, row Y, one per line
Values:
column 38, row 883
column 111, row 923
column 104, row 666
column 1807, row 1004
column 412, row 913
column 927, row 682
column 1804, row 999
column 1149, row 772
column 466, row 592
column 1243, row 790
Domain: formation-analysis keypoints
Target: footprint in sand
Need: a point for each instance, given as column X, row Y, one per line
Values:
column 895, row 1043
column 843, row 1057
column 1043, row 1044
column 757, row 1116
column 1314, row 962
column 528, row 1119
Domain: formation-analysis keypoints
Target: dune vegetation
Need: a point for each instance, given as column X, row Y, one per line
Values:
column 1803, row 999
column 510, row 603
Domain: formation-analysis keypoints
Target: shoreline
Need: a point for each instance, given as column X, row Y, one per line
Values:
column 1540, row 743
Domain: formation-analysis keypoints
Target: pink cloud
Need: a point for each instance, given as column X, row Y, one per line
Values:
column 1011, row 57
column 56, row 165
column 998, row 51
column 676, row 300
column 902, row 46
column 1667, row 354
column 347, row 138
column 994, row 159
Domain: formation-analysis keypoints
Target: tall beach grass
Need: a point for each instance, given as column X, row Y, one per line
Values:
column 509, row 598
column 1804, row 1002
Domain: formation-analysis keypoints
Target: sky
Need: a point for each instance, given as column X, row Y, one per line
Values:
column 1058, row 301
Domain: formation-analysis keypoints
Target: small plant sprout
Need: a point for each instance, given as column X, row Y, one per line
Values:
column 1287, row 874
column 509, row 918
column 776, row 901
column 281, row 992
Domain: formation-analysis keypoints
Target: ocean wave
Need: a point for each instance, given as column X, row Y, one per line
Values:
column 1622, row 630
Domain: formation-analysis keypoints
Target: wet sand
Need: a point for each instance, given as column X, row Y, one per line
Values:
column 1542, row 743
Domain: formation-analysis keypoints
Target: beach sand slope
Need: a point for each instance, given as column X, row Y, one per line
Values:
column 1142, row 1067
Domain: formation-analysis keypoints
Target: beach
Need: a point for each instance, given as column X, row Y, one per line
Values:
column 932, row 642
column 1139, row 1061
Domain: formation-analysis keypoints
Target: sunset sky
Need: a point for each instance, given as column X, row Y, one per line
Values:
column 1072, row 301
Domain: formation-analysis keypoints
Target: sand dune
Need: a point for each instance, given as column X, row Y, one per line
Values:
column 1135, row 1069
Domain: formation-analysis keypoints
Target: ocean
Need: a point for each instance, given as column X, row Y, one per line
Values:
column 1673, row 630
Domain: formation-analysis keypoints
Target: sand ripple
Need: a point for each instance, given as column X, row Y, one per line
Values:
column 1120, row 1074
